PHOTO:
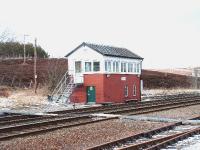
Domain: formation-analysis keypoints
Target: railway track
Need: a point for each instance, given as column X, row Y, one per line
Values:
column 31, row 128
column 134, row 108
column 157, row 100
column 14, row 125
column 152, row 140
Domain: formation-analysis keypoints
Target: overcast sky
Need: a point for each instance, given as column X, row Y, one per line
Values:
column 166, row 33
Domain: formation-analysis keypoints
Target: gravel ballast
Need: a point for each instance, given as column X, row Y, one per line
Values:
column 81, row 137
column 177, row 113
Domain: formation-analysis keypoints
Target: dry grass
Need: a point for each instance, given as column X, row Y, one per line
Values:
column 163, row 91
column 23, row 97
column 4, row 91
column 177, row 113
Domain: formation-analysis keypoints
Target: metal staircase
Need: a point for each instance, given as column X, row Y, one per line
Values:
column 63, row 90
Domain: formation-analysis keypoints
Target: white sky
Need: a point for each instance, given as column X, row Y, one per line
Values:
column 165, row 32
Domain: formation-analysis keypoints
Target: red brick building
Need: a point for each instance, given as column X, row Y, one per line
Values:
column 104, row 74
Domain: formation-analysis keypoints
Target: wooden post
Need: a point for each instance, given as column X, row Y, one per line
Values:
column 35, row 72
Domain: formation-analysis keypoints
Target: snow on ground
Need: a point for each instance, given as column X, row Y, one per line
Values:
column 154, row 92
column 191, row 143
column 25, row 100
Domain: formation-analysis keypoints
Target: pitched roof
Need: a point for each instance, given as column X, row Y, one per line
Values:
column 109, row 51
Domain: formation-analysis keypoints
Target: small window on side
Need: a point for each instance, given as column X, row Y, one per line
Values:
column 134, row 90
column 126, row 91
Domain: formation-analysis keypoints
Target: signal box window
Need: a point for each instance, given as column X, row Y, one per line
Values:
column 108, row 66
column 96, row 66
column 123, row 67
column 78, row 66
column 130, row 67
column 88, row 66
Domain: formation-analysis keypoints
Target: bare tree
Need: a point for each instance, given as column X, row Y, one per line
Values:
column 6, row 35
column 56, row 69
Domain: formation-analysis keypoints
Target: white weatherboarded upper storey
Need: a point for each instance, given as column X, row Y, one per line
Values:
column 86, row 60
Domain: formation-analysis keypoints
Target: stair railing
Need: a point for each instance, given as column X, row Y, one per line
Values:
column 61, row 85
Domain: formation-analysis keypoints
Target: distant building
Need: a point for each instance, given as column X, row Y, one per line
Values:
column 104, row 74
column 196, row 72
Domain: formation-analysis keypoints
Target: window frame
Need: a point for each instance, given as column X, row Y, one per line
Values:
column 117, row 66
column 80, row 69
column 108, row 66
column 138, row 67
column 98, row 66
column 130, row 67
column 90, row 66
column 135, row 67
column 123, row 67
column 134, row 90
column 114, row 66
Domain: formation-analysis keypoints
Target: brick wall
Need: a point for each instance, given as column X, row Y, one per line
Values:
column 108, row 88
column 114, row 87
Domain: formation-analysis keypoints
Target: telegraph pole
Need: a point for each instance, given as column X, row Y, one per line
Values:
column 35, row 72
column 25, row 48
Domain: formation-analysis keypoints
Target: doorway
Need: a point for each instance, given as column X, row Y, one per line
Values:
column 91, row 94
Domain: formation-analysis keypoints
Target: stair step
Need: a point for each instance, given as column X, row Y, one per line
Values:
column 64, row 89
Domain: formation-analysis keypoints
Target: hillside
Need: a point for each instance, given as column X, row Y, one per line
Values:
column 15, row 73
column 156, row 79
column 49, row 71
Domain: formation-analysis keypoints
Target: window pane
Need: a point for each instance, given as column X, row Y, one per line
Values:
column 88, row 66
column 130, row 67
column 78, row 66
column 138, row 67
column 124, row 67
column 134, row 90
column 134, row 67
column 117, row 66
column 114, row 66
column 109, row 66
column 96, row 66
column 106, row 66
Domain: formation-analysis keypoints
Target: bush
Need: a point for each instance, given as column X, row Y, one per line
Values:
column 4, row 92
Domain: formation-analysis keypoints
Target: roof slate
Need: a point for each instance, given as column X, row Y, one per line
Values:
column 109, row 51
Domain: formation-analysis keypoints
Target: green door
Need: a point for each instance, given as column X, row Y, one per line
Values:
column 91, row 94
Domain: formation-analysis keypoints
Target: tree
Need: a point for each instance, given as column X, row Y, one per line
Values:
column 6, row 36
column 16, row 49
column 9, row 47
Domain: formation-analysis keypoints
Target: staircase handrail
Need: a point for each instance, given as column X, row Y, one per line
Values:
column 60, row 83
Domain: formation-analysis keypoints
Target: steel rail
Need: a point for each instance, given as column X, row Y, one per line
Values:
column 55, row 121
column 131, row 109
column 153, row 144
column 8, row 133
